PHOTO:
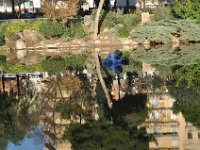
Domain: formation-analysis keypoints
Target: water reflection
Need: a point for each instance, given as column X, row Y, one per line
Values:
column 33, row 140
column 167, row 129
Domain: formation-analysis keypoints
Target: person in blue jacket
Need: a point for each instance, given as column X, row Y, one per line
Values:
column 114, row 61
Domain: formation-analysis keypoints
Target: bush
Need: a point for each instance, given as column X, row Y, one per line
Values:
column 51, row 29
column 166, row 55
column 123, row 32
column 161, row 31
column 111, row 19
column 130, row 20
column 13, row 27
column 66, row 35
column 187, row 9
column 53, row 65
column 1, row 39
column 74, row 61
column 162, row 12
column 76, row 30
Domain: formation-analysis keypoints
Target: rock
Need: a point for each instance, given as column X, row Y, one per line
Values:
column 10, row 41
column 31, row 37
column 146, row 44
column 145, row 17
column 21, row 54
column 20, row 44
column 175, row 42
column 33, row 58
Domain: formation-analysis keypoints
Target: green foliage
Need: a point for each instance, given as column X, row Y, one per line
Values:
column 161, row 31
column 101, row 135
column 76, row 30
column 63, row 107
column 53, row 65
column 112, row 18
column 9, row 130
column 1, row 39
column 189, row 75
column 74, row 61
column 122, row 32
column 162, row 12
column 167, row 56
column 187, row 9
column 13, row 27
column 187, row 102
column 51, row 29
column 19, row 68
column 57, row 64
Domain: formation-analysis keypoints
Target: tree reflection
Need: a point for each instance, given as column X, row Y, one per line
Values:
column 9, row 129
column 187, row 102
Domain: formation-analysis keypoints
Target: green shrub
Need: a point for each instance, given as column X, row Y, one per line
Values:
column 1, row 39
column 34, row 25
column 74, row 61
column 13, row 27
column 51, row 29
column 53, row 65
column 66, row 35
column 63, row 107
column 76, row 30
column 162, row 12
column 123, row 32
column 161, row 31
column 187, row 9
column 130, row 20
column 166, row 55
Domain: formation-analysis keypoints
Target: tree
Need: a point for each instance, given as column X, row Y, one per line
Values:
column 61, row 10
column 188, row 76
column 101, row 135
column 96, row 22
column 187, row 102
column 9, row 129
column 187, row 9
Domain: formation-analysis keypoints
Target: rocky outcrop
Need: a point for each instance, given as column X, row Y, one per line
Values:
column 31, row 37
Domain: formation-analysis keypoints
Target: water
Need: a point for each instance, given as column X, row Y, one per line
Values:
column 164, row 111
column 33, row 140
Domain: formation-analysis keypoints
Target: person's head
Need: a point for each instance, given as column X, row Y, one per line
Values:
column 117, row 54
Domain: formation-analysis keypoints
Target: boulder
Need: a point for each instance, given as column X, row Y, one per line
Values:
column 20, row 44
column 31, row 37
column 21, row 55
column 33, row 58
column 146, row 44
column 10, row 41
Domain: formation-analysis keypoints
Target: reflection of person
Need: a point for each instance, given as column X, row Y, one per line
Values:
column 114, row 61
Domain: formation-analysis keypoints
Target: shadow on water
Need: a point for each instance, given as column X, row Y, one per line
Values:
column 129, row 113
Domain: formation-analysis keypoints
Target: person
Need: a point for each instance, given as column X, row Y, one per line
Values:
column 114, row 62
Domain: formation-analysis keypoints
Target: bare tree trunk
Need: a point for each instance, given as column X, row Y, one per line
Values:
column 96, row 22
column 13, row 6
column 109, row 102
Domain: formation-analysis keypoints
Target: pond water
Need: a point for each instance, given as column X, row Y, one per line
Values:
column 33, row 140
column 165, row 125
